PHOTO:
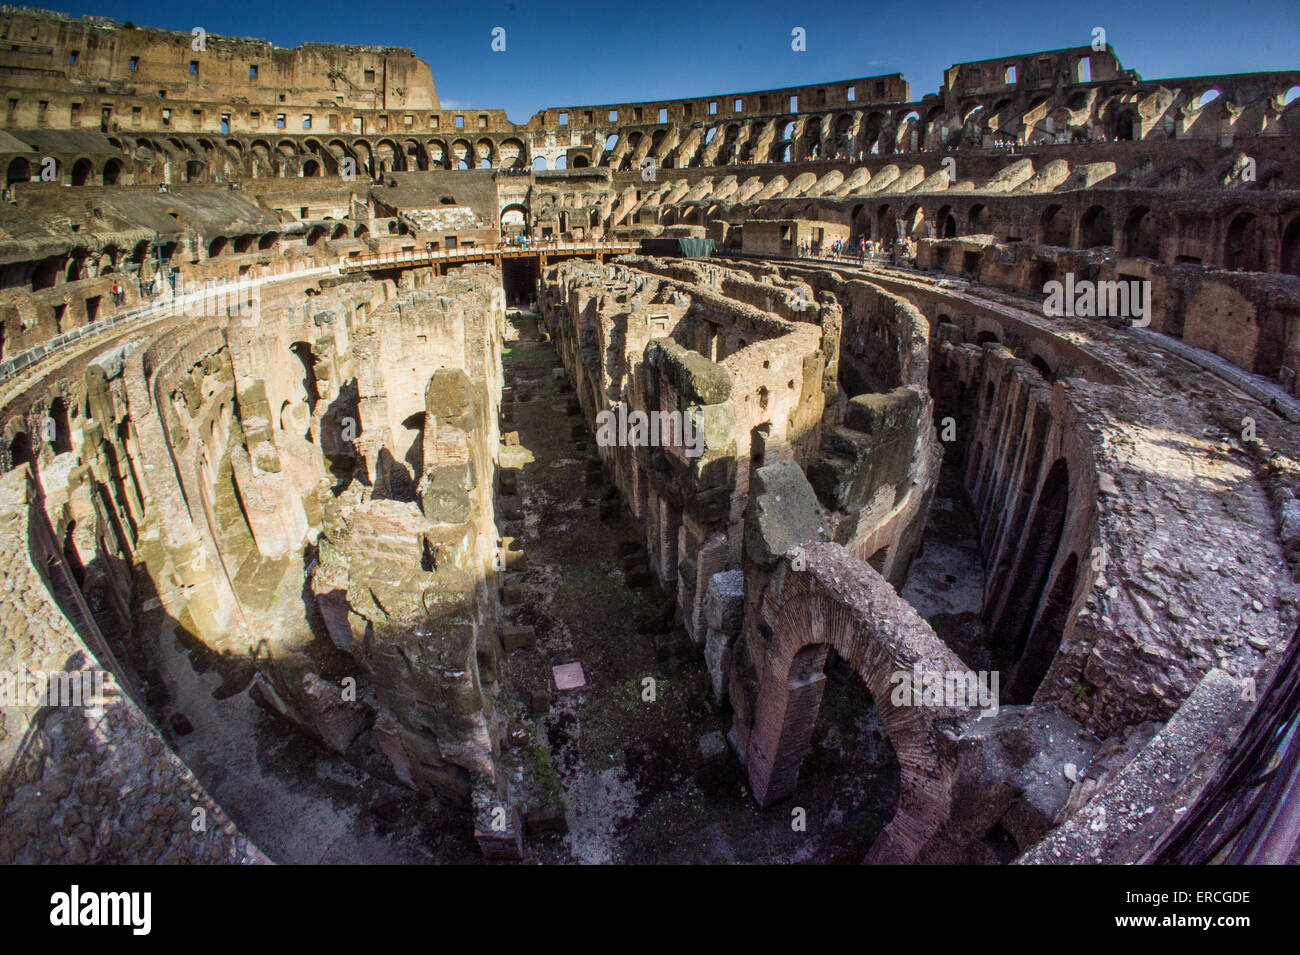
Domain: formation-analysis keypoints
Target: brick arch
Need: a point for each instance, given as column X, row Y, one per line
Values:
column 839, row 601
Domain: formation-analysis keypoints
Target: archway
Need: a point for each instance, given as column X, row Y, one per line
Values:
column 840, row 602
column 1095, row 229
column 1290, row 262
column 61, row 438
column 1244, row 247
column 82, row 170
column 1045, row 639
column 1014, row 620
column 302, row 351
column 1142, row 234
column 112, row 172
column 19, row 171
column 1056, row 226
column 947, row 223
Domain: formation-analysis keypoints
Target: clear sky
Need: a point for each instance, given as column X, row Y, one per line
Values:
column 610, row 51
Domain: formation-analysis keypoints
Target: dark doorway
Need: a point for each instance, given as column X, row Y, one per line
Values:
column 519, row 279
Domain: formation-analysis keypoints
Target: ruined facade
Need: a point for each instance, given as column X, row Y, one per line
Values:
column 339, row 423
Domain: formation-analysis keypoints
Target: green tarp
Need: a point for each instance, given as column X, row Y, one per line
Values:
column 685, row 248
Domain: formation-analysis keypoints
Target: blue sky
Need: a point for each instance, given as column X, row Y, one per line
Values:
column 578, row 52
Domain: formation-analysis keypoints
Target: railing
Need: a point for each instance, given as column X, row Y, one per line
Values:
column 165, row 303
column 426, row 257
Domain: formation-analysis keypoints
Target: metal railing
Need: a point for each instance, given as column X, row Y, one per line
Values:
column 166, row 303
column 423, row 257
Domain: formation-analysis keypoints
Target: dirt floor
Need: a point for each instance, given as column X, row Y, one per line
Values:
column 628, row 769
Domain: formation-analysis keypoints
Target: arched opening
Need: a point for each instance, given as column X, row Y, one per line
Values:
column 979, row 222
column 1142, row 234
column 946, row 223
column 1056, row 226
column 1095, row 229
column 82, row 170
column 812, row 633
column 20, row 449
column 268, row 241
column 19, row 171
column 60, row 437
column 216, row 246
column 1244, row 248
column 310, row 169
column 112, row 175
column 1045, row 639
column 539, row 163
column 1037, row 552
column 46, row 274
column 194, row 171
column 1208, row 97
column 1126, row 125
column 244, row 243
column 302, row 351
column 1290, row 263
column 581, row 162
column 315, row 235
column 514, row 219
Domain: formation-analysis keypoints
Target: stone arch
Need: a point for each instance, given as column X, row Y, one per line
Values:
column 1244, row 243
column 946, row 223
column 511, row 154
column 1027, row 581
column 82, row 171
column 20, row 449
column 414, row 156
column 914, row 221
column 1141, row 234
column 886, row 230
column 61, row 440
column 1290, row 259
column 1045, row 638
column 268, row 241
column 840, row 602
column 19, row 171
column 311, row 169
column 514, row 218
column 216, row 246
column 1096, row 229
column 112, row 174
column 979, row 222
column 1056, row 226
column 388, row 157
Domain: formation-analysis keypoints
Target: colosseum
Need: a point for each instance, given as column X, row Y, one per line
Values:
column 840, row 473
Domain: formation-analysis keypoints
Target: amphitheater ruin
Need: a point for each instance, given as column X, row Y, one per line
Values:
column 302, row 386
